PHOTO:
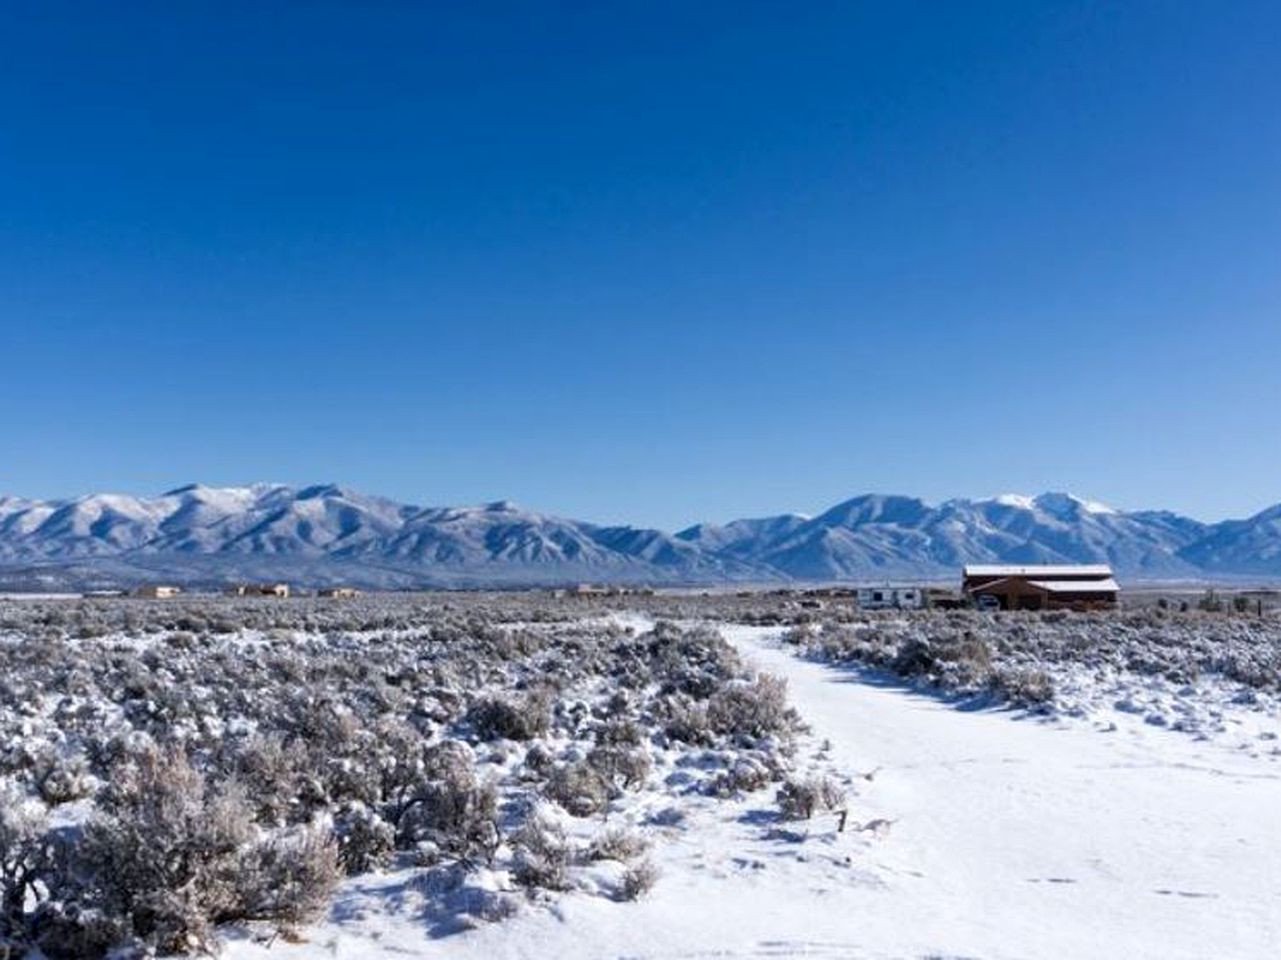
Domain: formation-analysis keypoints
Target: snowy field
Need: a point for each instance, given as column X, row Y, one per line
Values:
column 985, row 834
column 1120, row 805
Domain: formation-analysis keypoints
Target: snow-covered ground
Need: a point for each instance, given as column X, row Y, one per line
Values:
column 972, row 833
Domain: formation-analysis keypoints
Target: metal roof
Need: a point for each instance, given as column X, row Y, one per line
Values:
column 1077, row 586
column 1047, row 571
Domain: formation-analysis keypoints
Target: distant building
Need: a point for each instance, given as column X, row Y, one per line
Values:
column 608, row 590
column 1041, row 587
column 338, row 592
column 258, row 590
column 890, row 598
column 157, row 591
column 940, row 598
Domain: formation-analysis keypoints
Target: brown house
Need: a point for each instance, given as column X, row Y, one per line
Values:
column 1041, row 587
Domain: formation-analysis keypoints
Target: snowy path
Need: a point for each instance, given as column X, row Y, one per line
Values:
column 1013, row 838
column 1020, row 838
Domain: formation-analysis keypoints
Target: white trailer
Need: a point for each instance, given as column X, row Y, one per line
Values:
column 891, row 598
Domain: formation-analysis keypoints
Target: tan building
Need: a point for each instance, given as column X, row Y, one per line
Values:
column 338, row 592
column 157, row 591
column 1041, row 586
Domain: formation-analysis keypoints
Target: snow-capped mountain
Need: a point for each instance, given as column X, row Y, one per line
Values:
column 894, row 535
column 328, row 533
column 319, row 534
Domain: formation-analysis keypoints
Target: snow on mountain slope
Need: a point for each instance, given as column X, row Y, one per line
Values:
column 326, row 532
column 741, row 537
column 323, row 533
column 891, row 535
column 1250, row 546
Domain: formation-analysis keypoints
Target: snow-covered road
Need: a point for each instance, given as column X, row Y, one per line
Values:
column 1023, row 838
column 1011, row 838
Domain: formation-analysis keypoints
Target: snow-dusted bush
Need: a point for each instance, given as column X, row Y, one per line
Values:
column 229, row 759
column 1024, row 686
column 504, row 718
column 751, row 709
column 617, row 843
column 61, row 780
column 1021, row 656
column 638, row 880
column 26, row 854
column 800, row 799
column 366, row 841
column 456, row 814
column 163, row 855
column 747, row 775
column 579, row 788
column 542, row 854
column 287, row 877
column 167, row 857
column 623, row 767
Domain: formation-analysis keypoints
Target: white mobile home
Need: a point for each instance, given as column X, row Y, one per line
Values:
column 890, row 598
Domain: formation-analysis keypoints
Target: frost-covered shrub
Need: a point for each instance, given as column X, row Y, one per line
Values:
column 456, row 814
column 617, row 843
column 638, row 880
column 365, row 840
column 622, row 767
column 163, row 855
column 746, row 775
column 915, row 658
column 61, row 780
column 752, row 710
column 686, row 721
column 542, row 854
column 967, row 660
column 800, row 799
column 579, row 788
column 25, row 859
column 1024, row 686
column 288, row 877
column 695, row 662
column 539, row 760
column 168, row 857
column 255, row 744
column 500, row 718
column 70, row 931
column 271, row 771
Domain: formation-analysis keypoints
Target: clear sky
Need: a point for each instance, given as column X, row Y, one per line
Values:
column 653, row 262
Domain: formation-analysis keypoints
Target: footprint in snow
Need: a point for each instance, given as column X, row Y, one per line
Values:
column 878, row 828
column 1189, row 894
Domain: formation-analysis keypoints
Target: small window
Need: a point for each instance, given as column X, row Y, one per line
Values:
column 876, row 596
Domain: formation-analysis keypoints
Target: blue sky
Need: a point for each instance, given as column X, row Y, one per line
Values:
column 654, row 262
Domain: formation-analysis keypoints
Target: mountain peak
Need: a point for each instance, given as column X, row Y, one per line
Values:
column 1066, row 502
column 328, row 533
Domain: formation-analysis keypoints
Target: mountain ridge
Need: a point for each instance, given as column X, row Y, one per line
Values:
column 328, row 533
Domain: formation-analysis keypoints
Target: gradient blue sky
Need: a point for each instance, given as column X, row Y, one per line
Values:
column 654, row 262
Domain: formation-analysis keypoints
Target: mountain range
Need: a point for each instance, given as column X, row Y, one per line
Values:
column 206, row 536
